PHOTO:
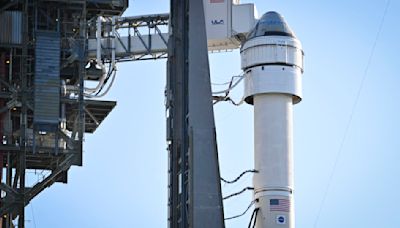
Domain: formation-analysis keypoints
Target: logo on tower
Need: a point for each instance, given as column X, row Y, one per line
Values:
column 280, row 219
column 217, row 22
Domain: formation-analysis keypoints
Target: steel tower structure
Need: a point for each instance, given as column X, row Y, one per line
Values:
column 46, row 58
column 49, row 50
column 194, row 197
column 44, row 111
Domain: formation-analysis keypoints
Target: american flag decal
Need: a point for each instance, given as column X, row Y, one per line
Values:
column 217, row 1
column 279, row 205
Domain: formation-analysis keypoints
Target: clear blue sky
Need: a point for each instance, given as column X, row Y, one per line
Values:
column 123, row 182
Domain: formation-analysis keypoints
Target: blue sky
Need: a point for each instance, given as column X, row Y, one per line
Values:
column 123, row 182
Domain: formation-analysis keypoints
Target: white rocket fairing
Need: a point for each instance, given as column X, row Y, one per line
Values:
column 272, row 59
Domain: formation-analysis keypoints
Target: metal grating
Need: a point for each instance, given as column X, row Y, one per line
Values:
column 11, row 27
column 96, row 112
column 47, row 79
column 107, row 7
column 113, row 3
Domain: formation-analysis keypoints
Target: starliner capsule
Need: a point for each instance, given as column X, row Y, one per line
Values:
column 272, row 59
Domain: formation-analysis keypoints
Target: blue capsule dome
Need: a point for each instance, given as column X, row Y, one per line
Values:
column 271, row 24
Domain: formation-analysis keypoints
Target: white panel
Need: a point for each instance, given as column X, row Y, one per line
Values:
column 273, row 79
column 272, row 49
column 218, row 18
column 243, row 18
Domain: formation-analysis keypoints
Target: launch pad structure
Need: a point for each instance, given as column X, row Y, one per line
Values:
column 49, row 49
column 44, row 112
column 52, row 51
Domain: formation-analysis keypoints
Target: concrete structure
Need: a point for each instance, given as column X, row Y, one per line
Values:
column 272, row 59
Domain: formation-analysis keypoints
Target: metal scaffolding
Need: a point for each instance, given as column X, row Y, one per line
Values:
column 43, row 110
column 136, row 38
column 51, row 48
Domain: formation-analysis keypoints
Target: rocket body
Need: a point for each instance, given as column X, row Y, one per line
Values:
column 272, row 59
column 273, row 158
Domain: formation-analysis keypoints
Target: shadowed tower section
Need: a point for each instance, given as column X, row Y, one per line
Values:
column 194, row 180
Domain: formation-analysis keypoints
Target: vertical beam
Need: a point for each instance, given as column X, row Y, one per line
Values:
column 9, row 183
column 24, row 117
column 194, row 188
column 206, row 207
column 82, row 72
column 177, row 106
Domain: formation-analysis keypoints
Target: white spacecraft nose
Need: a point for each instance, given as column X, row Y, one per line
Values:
column 271, row 24
column 272, row 59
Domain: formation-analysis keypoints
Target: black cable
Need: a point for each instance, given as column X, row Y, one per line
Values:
column 226, row 97
column 240, row 176
column 238, row 193
column 217, row 99
column 229, row 87
column 109, row 73
column 255, row 217
column 233, row 102
column 237, row 216
column 252, row 216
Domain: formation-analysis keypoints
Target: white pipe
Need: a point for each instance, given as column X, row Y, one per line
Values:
column 113, row 33
column 101, row 81
column 98, row 55
column 106, row 91
column 98, row 37
column 63, row 124
column 98, row 59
